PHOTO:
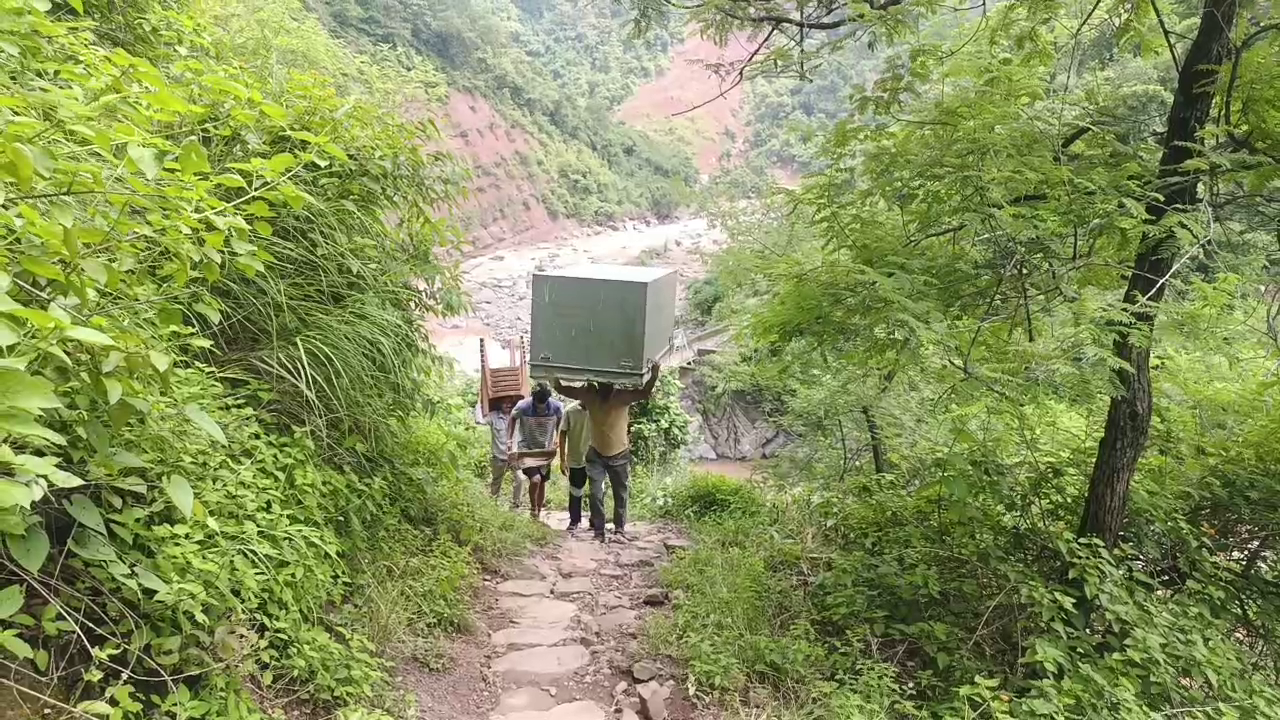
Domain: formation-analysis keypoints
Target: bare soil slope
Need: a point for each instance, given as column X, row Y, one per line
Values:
column 504, row 207
column 690, row 81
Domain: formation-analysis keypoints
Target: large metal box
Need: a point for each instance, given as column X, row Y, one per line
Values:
column 601, row 322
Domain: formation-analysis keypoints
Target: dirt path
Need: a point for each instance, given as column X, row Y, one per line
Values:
column 499, row 282
column 557, row 637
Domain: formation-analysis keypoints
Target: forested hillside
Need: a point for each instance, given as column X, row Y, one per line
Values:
column 793, row 103
column 1020, row 323
column 1022, row 320
column 790, row 112
column 555, row 69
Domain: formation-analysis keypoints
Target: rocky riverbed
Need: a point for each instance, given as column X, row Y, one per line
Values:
column 499, row 282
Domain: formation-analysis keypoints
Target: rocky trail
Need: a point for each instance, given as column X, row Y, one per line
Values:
column 556, row 637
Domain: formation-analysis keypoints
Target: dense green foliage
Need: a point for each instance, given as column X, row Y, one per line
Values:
column 798, row 93
column 788, row 115
column 559, row 68
column 659, row 427
column 705, row 295
column 949, row 290
column 217, row 418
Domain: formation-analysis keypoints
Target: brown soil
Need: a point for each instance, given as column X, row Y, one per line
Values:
column 503, row 207
column 690, row 81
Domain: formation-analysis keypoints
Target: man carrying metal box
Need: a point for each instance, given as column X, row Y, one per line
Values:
column 609, row 454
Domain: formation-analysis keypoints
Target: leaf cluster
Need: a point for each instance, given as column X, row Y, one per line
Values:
column 215, row 246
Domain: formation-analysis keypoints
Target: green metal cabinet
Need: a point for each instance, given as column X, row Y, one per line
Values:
column 601, row 322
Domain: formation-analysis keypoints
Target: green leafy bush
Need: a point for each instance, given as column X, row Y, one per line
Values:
column 215, row 408
column 418, row 589
column 659, row 428
column 707, row 496
column 847, row 603
column 944, row 316
column 704, row 296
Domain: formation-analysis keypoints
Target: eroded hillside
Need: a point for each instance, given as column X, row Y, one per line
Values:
column 692, row 104
column 504, row 202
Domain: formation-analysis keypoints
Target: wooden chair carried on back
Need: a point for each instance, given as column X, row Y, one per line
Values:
column 499, row 383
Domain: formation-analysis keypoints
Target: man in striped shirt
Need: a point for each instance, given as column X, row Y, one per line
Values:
column 538, row 420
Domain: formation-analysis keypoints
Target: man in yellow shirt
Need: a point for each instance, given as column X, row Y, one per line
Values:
column 609, row 453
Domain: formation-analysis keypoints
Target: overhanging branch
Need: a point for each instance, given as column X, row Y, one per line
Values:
column 815, row 22
column 1245, row 44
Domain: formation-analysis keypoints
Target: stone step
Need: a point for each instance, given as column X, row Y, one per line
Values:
column 573, row 586
column 616, row 620
column 577, row 567
column 583, row 548
column 523, row 700
column 535, row 569
column 540, row 664
column 581, row 710
column 538, row 611
column 519, row 638
column 528, row 588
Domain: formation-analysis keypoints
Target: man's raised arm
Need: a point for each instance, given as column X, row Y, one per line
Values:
column 646, row 392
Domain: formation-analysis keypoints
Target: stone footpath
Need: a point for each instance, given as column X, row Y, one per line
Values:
column 563, row 636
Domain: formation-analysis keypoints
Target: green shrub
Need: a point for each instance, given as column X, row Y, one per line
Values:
column 198, row 468
column 771, row 641
column 659, row 427
column 704, row 297
column 413, row 587
column 707, row 496
column 868, row 600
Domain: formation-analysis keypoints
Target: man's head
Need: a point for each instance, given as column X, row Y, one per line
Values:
column 507, row 405
column 541, row 394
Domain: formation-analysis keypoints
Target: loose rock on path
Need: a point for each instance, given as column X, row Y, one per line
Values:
column 557, row 638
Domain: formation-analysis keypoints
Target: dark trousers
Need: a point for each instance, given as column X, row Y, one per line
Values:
column 577, row 488
column 617, row 469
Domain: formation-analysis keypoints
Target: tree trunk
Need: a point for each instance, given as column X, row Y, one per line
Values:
column 877, row 443
column 1129, row 415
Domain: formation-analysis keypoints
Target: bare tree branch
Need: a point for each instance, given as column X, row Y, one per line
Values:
column 776, row 20
column 739, row 76
column 1168, row 41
